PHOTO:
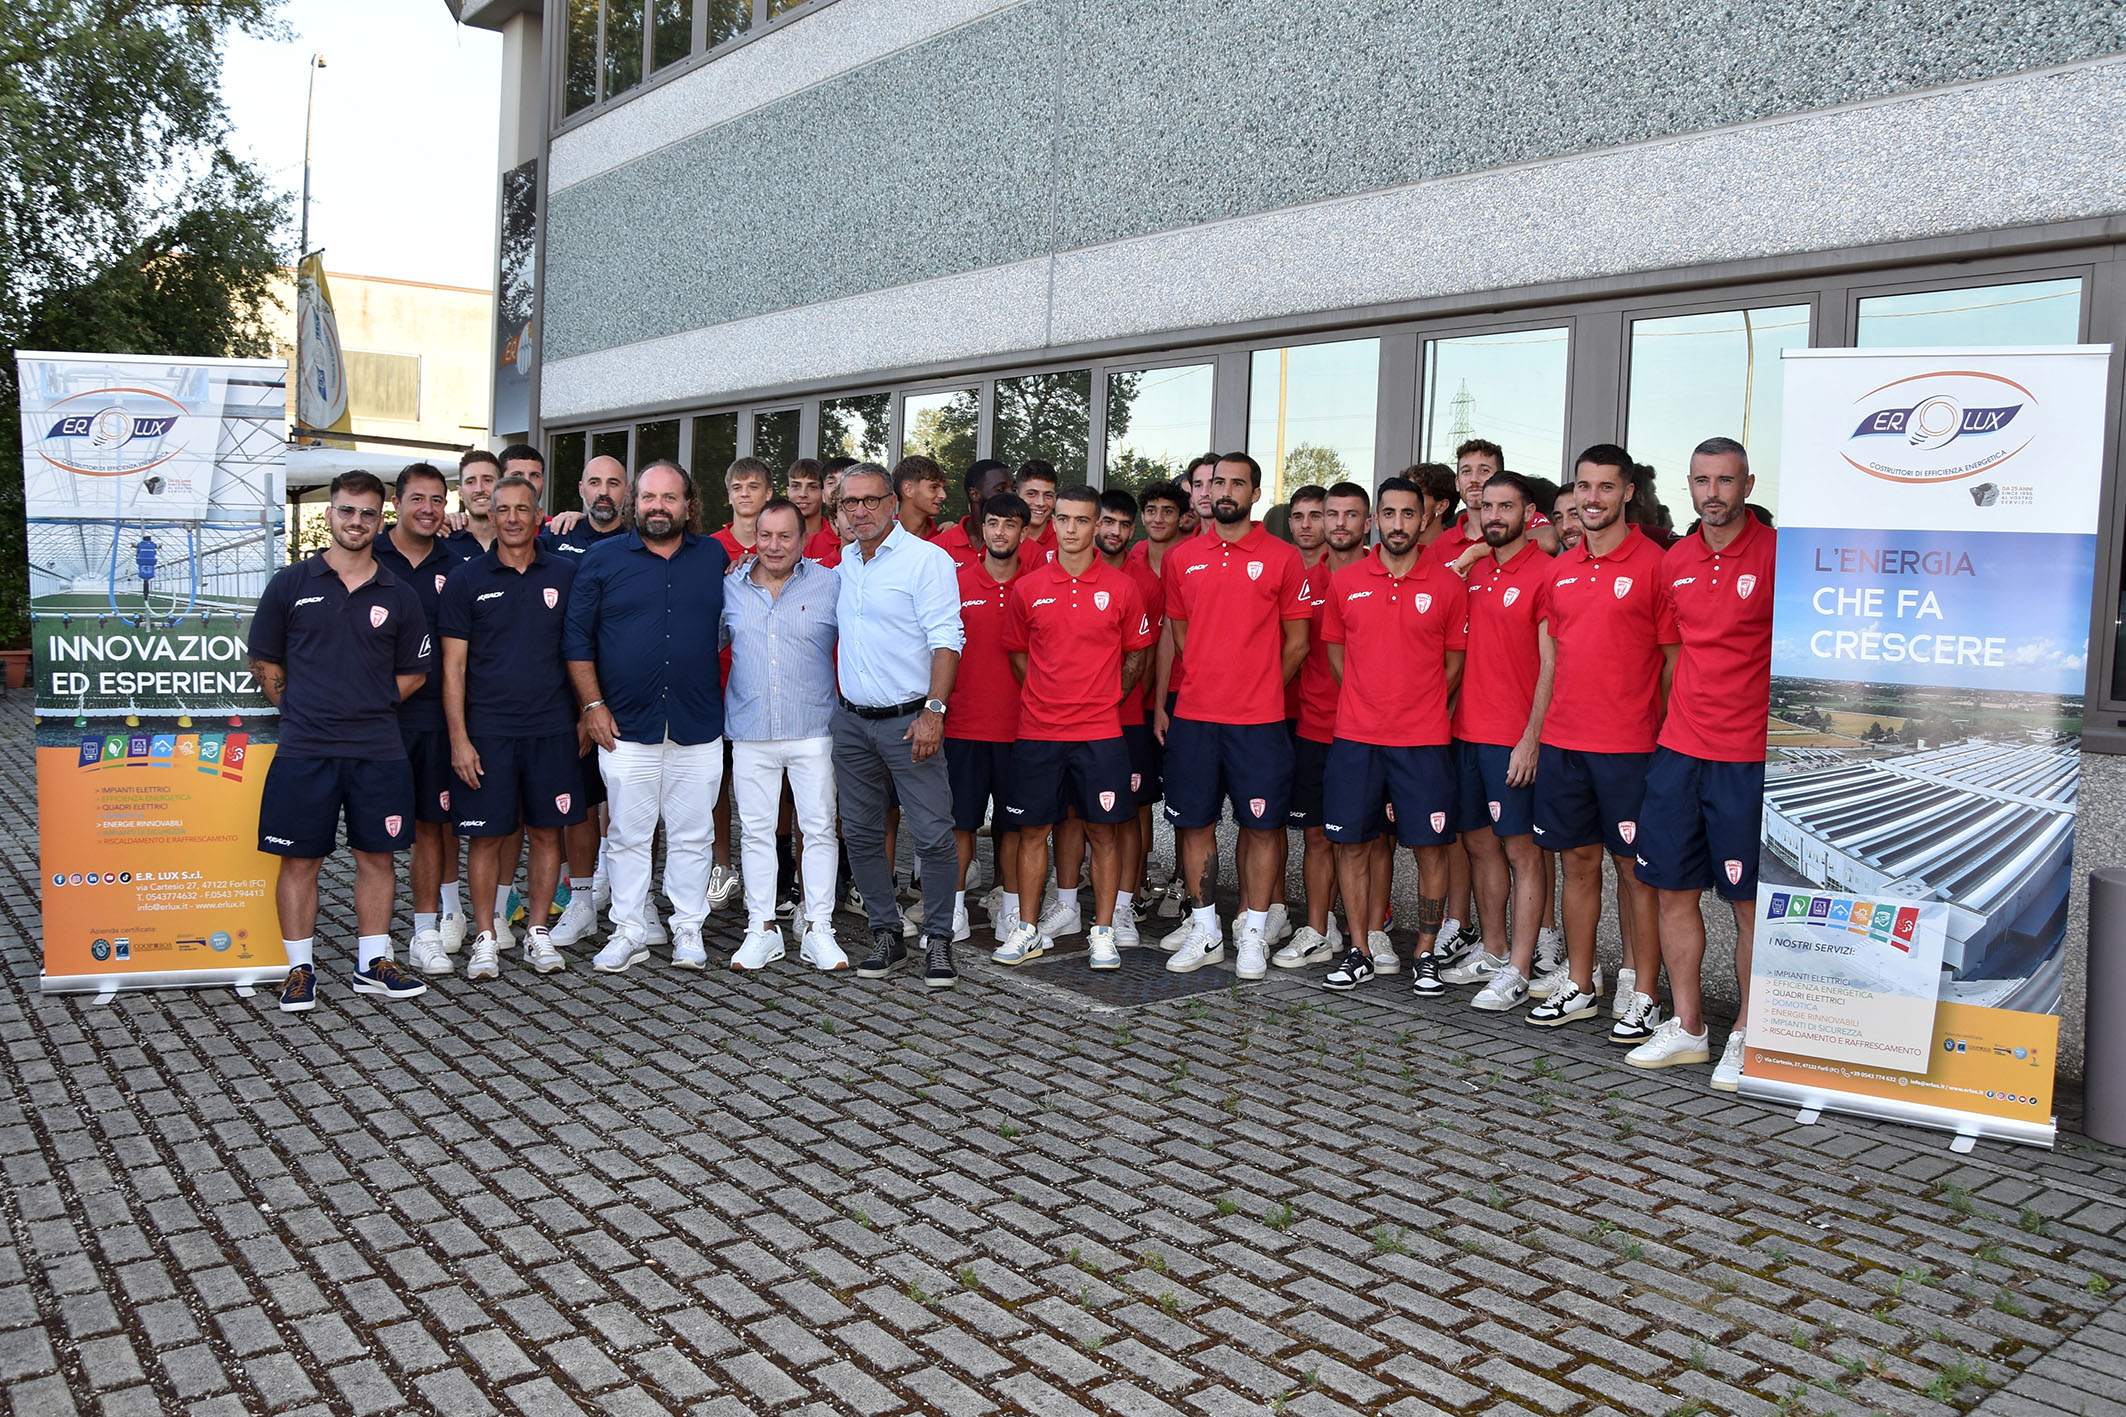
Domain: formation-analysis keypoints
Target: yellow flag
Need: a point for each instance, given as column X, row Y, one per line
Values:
column 321, row 370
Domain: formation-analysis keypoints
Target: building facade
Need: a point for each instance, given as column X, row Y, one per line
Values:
column 1342, row 236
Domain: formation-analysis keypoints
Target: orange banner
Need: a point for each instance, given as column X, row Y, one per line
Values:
column 1994, row 1062
column 149, row 847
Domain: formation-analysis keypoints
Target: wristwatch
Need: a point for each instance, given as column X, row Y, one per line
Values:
column 936, row 706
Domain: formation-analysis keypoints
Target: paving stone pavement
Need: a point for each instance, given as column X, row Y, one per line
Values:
column 669, row 1192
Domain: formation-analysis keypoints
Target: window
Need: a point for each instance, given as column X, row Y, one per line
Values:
column 2033, row 312
column 1509, row 388
column 656, row 440
column 579, row 57
column 715, row 449
column 384, row 386
column 727, row 19
column 671, row 32
column 623, row 46
column 612, row 443
column 566, row 453
column 855, row 427
column 609, row 46
column 1158, row 422
column 1047, row 416
column 942, row 427
column 1695, row 377
column 1310, row 415
column 775, row 440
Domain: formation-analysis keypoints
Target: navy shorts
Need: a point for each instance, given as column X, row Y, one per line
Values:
column 593, row 780
column 537, row 779
column 1589, row 799
column 1310, row 762
column 428, row 754
column 1701, row 825
column 1488, row 800
column 1367, row 786
column 1248, row 764
column 1048, row 777
column 300, row 807
column 1144, row 755
column 981, row 775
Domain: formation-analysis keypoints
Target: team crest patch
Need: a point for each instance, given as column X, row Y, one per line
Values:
column 1734, row 873
column 1513, row 593
column 1424, row 603
column 561, row 802
column 1099, row 600
column 1257, row 805
column 378, row 614
column 1388, row 810
column 443, row 799
column 1744, row 585
column 1136, row 782
column 1629, row 831
column 1254, row 570
column 440, row 578
column 392, row 824
column 1107, row 801
column 1439, row 821
column 1494, row 810
column 1622, row 586
column 553, row 598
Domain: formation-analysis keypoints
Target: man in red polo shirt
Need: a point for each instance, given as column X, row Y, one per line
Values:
column 1240, row 597
column 920, row 484
column 1705, row 788
column 1080, row 637
column 1613, row 642
column 1036, row 485
column 982, row 716
column 1397, row 627
column 825, row 544
column 962, row 541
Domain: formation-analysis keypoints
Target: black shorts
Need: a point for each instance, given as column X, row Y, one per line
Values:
column 593, row 780
column 1489, row 802
column 1144, row 758
column 1249, row 764
column 1700, row 825
column 1049, row 777
column 981, row 776
column 1310, row 764
column 536, row 780
column 1368, row 786
column 428, row 754
column 304, row 799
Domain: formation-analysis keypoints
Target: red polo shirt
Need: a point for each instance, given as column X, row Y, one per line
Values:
column 1318, row 688
column 1396, row 632
column 1448, row 546
column 1235, row 596
column 823, row 546
column 1039, row 548
column 1074, row 631
column 1498, row 680
column 1610, row 619
column 1317, row 587
column 984, row 706
column 958, row 542
column 1140, row 555
column 1719, row 705
column 1153, row 594
column 736, row 549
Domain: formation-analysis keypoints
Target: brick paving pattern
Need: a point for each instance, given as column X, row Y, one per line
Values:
column 671, row 1192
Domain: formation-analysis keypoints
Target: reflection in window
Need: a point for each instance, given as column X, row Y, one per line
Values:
column 671, row 31
column 1311, row 409
column 612, row 443
column 782, row 7
column 1695, row 377
column 855, row 427
column 1507, row 387
column 579, row 74
column 942, row 428
column 2031, row 312
column 656, row 440
column 566, row 453
column 1046, row 416
column 775, row 440
column 1158, row 422
column 623, row 46
column 715, row 449
column 728, row 19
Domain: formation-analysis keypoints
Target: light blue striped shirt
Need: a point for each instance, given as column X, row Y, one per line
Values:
column 896, row 609
column 782, row 654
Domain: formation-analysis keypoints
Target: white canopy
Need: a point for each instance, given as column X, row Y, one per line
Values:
column 310, row 468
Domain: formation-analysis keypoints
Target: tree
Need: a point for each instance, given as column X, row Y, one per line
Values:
column 1047, row 416
column 126, row 225
column 1311, row 463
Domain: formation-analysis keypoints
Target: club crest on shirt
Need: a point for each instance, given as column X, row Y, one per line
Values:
column 1257, row 805
column 1744, row 585
column 378, row 614
column 1107, row 801
column 561, row 802
column 1439, row 821
column 553, row 598
column 440, row 578
column 1494, row 810
column 1629, row 831
column 1513, row 593
column 1099, row 600
column 1734, row 873
column 392, row 824
column 1424, row 603
column 1622, row 586
column 1254, row 570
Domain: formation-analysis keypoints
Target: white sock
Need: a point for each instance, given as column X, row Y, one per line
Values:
column 1009, row 905
column 1256, row 920
column 449, row 894
column 578, row 883
column 1207, row 917
column 1122, row 902
column 1068, row 899
column 502, row 903
column 959, row 900
column 423, row 922
column 299, row 951
column 368, row 949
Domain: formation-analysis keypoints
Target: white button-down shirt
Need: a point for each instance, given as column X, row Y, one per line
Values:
column 895, row 610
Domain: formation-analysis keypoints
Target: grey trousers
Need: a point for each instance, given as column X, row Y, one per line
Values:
column 868, row 753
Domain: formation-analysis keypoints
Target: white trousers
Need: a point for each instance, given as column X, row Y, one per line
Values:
column 757, row 771
column 678, row 782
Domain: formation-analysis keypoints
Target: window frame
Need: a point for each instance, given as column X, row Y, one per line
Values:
column 556, row 22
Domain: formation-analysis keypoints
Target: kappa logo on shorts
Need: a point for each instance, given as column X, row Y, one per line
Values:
column 378, row 614
column 1257, row 805
column 443, row 799
column 1513, row 593
column 561, row 802
column 1424, row 603
column 392, row 824
column 440, row 578
column 1439, row 821
column 1107, row 801
column 1734, row 873
column 1254, row 570
column 553, row 597
column 1136, row 782
column 1494, row 810
column 1744, row 585
column 1099, row 600
column 1629, row 831
column 1622, row 586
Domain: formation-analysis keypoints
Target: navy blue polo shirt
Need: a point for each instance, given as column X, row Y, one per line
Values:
column 651, row 624
column 343, row 652
column 516, row 685
column 465, row 544
column 423, row 709
column 577, row 541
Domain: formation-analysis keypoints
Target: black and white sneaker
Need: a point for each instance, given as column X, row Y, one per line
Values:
column 1640, row 1018
column 1568, row 1003
column 1424, row 976
column 886, row 952
column 1454, row 942
column 938, row 972
column 1354, row 969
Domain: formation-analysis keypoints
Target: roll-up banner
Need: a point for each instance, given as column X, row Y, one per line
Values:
column 1937, row 555
column 154, row 492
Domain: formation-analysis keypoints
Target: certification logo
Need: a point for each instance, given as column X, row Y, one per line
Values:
column 101, row 950
column 219, row 941
column 1940, row 427
column 122, row 949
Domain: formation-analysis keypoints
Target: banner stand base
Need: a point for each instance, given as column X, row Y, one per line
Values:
column 107, row 986
column 1968, row 1127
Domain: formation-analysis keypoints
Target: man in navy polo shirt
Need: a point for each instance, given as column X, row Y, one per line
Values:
column 336, row 644
column 513, row 739
column 643, row 623
column 411, row 550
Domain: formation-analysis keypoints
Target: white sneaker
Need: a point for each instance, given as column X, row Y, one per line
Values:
column 428, row 954
column 540, row 953
column 1549, row 951
column 687, row 950
column 1105, row 955
column 1171, row 904
column 1627, row 985
column 1382, row 949
column 1669, row 1046
column 760, row 949
column 486, row 962
column 1307, row 948
column 1201, row 946
column 578, row 922
column 723, row 884
column 991, row 902
column 1544, row 985
column 1642, row 1016
column 1565, row 1004
column 1278, row 927
column 1476, row 967
column 1254, row 961
column 1504, row 990
column 1025, row 943
column 452, row 928
column 1453, row 941
column 505, row 938
column 1060, row 920
column 1336, row 935
column 960, row 927
column 912, row 916
column 1178, row 937
column 601, row 889
column 653, row 928
column 621, row 951
column 1727, row 1077
column 1006, row 921
column 1125, row 928
column 820, row 949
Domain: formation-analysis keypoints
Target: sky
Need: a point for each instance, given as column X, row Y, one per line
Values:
column 403, row 156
